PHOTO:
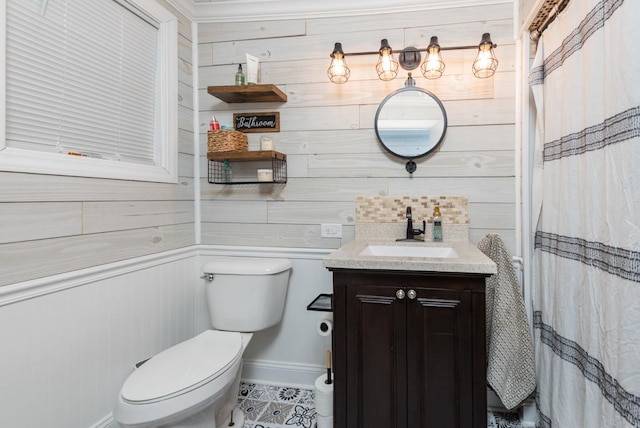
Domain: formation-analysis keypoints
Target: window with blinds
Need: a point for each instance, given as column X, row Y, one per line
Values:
column 91, row 89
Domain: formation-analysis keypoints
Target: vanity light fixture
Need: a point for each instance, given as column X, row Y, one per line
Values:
column 484, row 66
column 433, row 66
column 486, row 63
column 387, row 66
column 338, row 71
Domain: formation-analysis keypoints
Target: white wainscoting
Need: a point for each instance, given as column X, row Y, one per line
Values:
column 69, row 341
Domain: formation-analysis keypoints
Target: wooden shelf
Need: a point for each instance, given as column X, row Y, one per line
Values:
column 248, row 93
column 220, row 162
column 247, row 156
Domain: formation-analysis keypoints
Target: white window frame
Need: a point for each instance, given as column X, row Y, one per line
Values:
column 32, row 161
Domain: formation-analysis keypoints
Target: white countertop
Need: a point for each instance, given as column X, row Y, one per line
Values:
column 470, row 259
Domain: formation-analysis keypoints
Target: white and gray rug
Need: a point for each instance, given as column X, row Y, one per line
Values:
column 270, row 406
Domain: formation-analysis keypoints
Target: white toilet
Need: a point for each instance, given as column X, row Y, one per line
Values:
column 195, row 383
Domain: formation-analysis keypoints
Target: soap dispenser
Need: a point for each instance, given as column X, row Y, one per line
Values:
column 437, row 224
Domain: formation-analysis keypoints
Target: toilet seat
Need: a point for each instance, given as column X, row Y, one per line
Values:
column 183, row 367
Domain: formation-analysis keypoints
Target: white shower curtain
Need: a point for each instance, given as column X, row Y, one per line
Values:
column 586, row 202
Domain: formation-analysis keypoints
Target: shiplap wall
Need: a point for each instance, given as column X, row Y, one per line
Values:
column 328, row 133
column 54, row 224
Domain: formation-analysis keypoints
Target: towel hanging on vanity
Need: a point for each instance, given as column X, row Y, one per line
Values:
column 510, row 360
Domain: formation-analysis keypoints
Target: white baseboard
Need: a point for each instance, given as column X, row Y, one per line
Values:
column 106, row 422
column 277, row 373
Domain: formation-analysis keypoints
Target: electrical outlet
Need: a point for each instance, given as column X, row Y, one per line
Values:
column 331, row 230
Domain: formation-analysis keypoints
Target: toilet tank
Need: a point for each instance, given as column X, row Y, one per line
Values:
column 246, row 294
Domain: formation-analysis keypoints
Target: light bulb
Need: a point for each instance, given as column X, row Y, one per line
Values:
column 338, row 71
column 433, row 66
column 387, row 66
column 486, row 63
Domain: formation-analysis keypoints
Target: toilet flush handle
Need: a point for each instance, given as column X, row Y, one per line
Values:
column 207, row 276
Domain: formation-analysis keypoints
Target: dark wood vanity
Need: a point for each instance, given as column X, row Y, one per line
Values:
column 409, row 349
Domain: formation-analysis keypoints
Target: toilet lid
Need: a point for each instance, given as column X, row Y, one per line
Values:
column 184, row 366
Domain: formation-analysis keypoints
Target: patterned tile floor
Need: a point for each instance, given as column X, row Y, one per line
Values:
column 270, row 406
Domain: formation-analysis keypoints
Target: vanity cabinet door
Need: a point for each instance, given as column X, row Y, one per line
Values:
column 376, row 338
column 439, row 363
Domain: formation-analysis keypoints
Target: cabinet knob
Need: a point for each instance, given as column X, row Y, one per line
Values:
column 412, row 294
column 400, row 294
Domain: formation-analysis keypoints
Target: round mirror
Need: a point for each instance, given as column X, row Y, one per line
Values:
column 410, row 123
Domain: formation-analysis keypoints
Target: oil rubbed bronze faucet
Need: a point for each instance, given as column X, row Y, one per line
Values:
column 411, row 232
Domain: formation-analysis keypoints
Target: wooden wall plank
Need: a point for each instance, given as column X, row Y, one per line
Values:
column 269, row 235
column 233, row 211
column 312, row 212
column 234, row 31
column 185, row 95
column 492, row 215
column 481, row 112
column 185, row 142
column 18, row 187
column 444, row 16
column 105, row 216
column 476, row 189
column 37, row 220
column 26, row 260
column 441, row 164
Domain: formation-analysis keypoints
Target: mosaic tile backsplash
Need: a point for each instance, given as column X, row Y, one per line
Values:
column 392, row 209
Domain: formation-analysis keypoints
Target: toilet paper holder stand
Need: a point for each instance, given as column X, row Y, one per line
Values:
column 323, row 303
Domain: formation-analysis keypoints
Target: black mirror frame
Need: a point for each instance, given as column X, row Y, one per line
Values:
column 411, row 165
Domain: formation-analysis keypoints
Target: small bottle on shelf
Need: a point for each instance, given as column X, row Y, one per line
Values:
column 227, row 176
column 239, row 76
column 214, row 125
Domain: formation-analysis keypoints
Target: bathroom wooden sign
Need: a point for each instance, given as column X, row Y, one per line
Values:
column 257, row 122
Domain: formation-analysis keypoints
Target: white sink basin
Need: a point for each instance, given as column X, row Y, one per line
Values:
column 409, row 251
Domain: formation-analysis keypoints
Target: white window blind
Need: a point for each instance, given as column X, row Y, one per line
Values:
column 89, row 78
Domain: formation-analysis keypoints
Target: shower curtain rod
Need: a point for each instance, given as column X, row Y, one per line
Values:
column 547, row 13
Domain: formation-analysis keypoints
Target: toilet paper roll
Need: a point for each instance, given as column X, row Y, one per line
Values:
column 324, row 397
column 324, row 421
column 325, row 327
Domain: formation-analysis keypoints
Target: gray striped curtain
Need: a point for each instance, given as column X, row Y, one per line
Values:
column 586, row 203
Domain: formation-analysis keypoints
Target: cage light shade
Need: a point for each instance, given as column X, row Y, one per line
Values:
column 486, row 63
column 338, row 71
column 387, row 66
column 433, row 66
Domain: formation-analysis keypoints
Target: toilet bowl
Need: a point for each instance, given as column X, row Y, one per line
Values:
column 182, row 380
column 195, row 383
